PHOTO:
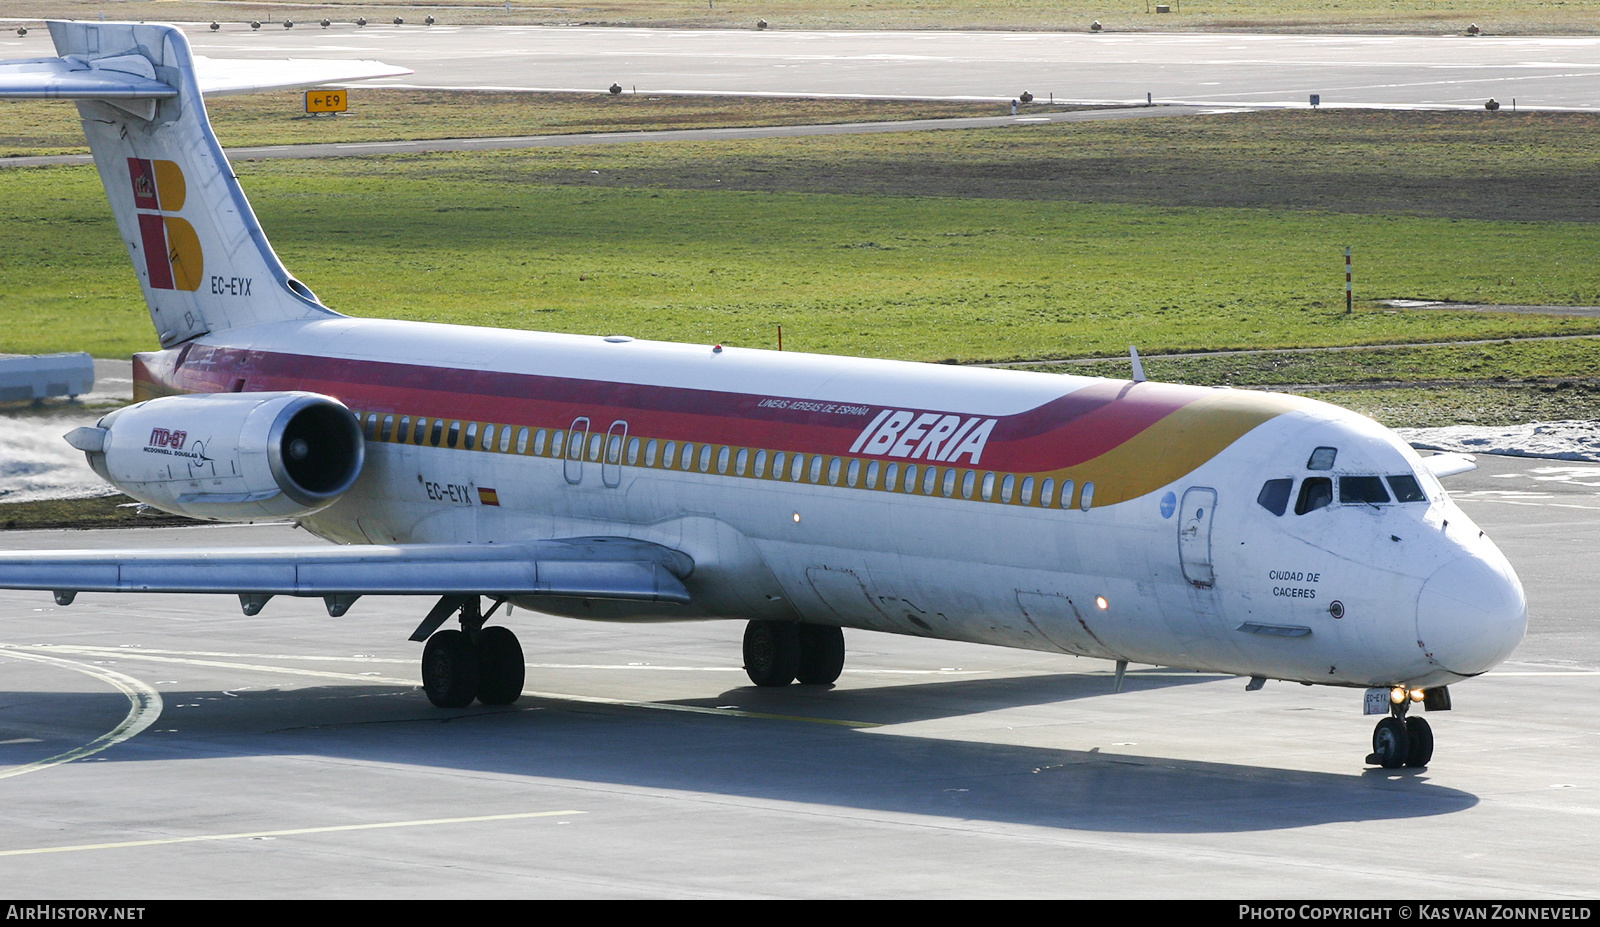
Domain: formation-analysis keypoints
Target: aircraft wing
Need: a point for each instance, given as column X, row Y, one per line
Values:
column 603, row 568
column 1443, row 465
column 132, row 77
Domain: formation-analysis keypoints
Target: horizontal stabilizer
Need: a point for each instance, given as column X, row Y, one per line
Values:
column 601, row 568
column 73, row 78
column 133, row 76
column 223, row 76
column 1443, row 465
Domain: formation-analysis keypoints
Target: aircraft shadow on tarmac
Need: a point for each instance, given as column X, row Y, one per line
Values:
column 768, row 759
column 927, row 698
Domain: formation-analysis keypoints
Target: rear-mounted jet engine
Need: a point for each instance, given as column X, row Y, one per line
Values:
column 229, row 456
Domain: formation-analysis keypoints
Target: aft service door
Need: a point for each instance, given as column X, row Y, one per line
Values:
column 1194, row 535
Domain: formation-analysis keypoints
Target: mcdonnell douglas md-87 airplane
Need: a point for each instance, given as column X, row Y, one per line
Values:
column 1220, row 530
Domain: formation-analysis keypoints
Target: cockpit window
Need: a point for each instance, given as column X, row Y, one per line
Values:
column 1274, row 496
column 1315, row 493
column 1322, row 458
column 1368, row 489
column 1407, row 489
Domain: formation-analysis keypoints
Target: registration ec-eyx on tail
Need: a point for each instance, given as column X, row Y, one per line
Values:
column 1229, row 531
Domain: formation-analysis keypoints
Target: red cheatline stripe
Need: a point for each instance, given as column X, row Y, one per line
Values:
column 1063, row 432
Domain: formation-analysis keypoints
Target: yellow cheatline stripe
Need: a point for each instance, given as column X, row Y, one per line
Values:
column 398, row 681
column 1176, row 445
column 294, row 832
column 144, row 707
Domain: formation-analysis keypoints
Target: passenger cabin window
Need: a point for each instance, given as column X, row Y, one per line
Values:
column 1315, row 493
column 1274, row 496
column 1407, row 489
column 1358, row 489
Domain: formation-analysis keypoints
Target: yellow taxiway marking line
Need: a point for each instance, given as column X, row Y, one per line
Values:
column 295, row 832
column 132, row 654
column 1541, row 673
column 144, row 707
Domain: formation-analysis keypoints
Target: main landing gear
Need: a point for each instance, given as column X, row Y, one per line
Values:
column 777, row 653
column 473, row 663
column 1401, row 741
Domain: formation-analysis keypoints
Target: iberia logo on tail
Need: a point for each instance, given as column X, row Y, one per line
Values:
column 172, row 251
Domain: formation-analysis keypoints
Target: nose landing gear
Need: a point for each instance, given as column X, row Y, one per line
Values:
column 473, row 663
column 1401, row 741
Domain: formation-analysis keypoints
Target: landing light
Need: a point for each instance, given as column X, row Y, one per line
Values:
column 1418, row 695
column 1100, row 600
column 797, row 518
column 1398, row 694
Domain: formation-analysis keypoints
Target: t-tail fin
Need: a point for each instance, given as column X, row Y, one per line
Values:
column 200, row 254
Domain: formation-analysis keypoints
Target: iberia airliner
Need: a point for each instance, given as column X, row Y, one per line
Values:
column 616, row 479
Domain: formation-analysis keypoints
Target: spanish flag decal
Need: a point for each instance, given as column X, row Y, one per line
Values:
column 487, row 496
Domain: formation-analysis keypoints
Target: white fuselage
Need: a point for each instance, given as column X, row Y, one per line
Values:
column 1172, row 560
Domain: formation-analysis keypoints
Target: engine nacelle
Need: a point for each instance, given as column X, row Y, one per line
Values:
column 229, row 456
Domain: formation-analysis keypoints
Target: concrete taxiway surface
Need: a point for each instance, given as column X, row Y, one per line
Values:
column 1207, row 69
column 292, row 755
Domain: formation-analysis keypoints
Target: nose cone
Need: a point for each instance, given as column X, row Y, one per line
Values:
column 1471, row 614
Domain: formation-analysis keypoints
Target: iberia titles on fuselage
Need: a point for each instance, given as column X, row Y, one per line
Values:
column 1228, row 530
